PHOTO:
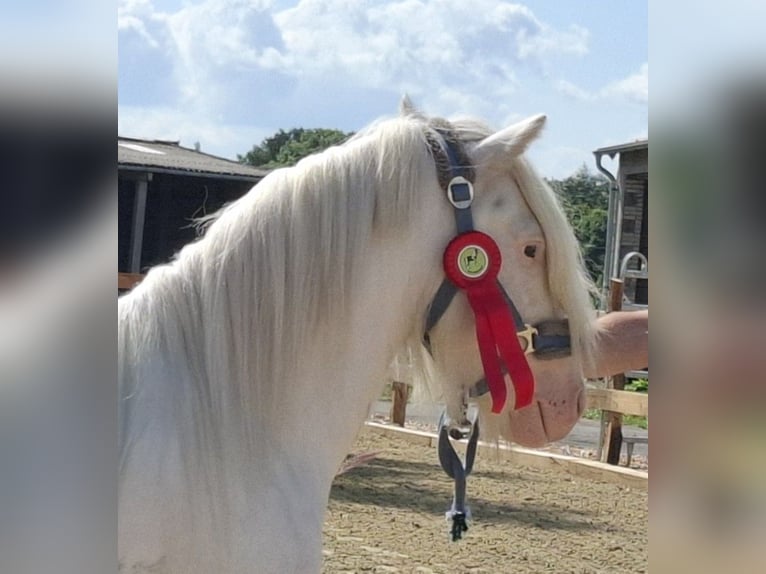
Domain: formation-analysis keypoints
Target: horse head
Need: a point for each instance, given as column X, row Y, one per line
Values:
column 541, row 274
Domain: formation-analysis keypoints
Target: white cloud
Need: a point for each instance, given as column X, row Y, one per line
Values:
column 220, row 46
column 559, row 162
column 133, row 15
column 382, row 43
column 634, row 87
column 216, row 38
column 571, row 90
column 549, row 41
column 641, row 134
column 228, row 73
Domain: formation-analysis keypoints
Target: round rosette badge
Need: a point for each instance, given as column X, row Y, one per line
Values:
column 472, row 261
column 471, row 257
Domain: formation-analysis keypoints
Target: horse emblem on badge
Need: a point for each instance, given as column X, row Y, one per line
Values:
column 472, row 261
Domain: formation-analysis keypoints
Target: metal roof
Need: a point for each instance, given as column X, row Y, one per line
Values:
column 170, row 157
column 621, row 148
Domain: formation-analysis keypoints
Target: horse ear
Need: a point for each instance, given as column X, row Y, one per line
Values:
column 512, row 140
column 406, row 107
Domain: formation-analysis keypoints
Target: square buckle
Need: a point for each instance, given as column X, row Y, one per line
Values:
column 460, row 192
column 527, row 336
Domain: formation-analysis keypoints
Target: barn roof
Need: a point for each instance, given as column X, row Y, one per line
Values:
column 622, row 148
column 170, row 157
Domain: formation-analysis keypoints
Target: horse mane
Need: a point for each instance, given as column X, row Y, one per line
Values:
column 237, row 304
column 231, row 312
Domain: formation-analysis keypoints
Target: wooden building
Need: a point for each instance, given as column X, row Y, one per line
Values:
column 628, row 221
column 163, row 187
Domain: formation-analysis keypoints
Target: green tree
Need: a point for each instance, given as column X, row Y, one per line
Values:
column 287, row 148
column 585, row 198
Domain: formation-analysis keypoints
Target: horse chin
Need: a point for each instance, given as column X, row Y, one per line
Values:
column 551, row 416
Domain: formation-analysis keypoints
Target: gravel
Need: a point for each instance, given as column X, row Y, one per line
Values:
column 387, row 515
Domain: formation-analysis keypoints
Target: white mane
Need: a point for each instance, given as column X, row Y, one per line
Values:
column 270, row 269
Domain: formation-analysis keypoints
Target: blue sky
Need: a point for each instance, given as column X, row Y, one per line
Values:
column 228, row 73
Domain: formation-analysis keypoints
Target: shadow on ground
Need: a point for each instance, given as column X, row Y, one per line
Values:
column 423, row 487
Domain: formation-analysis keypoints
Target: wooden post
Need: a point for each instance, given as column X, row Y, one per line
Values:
column 399, row 394
column 611, row 444
column 139, row 213
column 128, row 280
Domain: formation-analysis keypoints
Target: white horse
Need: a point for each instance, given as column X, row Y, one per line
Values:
column 246, row 366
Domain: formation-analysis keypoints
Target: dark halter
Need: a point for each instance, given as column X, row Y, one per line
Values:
column 546, row 340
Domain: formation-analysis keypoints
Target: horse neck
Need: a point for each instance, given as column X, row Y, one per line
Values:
column 344, row 372
column 268, row 467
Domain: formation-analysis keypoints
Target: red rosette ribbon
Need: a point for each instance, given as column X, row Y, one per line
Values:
column 472, row 262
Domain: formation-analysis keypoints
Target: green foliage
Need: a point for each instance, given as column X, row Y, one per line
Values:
column 287, row 148
column 627, row 420
column 585, row 199
column 638, row 386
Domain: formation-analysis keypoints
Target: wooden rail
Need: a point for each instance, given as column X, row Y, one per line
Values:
column 580, row 467
column 623, row 402
column 128, row 280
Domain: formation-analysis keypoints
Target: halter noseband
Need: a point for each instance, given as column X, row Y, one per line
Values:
column 472, row 262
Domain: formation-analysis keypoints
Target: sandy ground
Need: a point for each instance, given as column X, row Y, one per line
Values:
column 388, row 516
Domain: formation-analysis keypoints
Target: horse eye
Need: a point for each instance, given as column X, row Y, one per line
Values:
column 530, row 251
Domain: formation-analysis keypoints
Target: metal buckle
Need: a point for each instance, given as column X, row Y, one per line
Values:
column 526, row 335
column 460, row 203
column 462, row 427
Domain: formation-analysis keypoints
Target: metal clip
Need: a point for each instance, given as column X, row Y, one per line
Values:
column 460, row 192
column 462, row 427
column 526, row 335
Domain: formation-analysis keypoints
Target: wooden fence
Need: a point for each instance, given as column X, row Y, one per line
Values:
column 614, row 401
column 128, row 280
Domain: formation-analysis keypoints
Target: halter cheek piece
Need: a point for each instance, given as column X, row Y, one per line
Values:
column 472, row 261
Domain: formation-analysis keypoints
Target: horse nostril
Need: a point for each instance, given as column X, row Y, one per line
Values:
column 530, row 251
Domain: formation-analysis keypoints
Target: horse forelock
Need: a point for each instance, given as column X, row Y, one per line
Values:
column 568, row 279
column 569, row 282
